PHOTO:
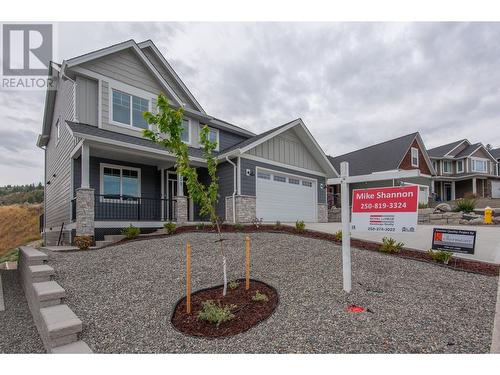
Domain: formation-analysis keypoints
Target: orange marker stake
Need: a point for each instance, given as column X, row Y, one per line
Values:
column 188, row 278
column 247, row 273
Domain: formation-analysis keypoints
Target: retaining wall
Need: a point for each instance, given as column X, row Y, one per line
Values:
column 56, row 323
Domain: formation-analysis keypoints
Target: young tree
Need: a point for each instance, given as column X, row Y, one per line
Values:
column 167, row 131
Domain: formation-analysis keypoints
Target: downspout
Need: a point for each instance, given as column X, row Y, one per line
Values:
column 234, row 188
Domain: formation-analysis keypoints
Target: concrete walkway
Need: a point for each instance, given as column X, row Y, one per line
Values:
column 2, row 304
column 487, row 238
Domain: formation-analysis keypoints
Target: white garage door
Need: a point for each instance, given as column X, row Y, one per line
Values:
column 495, row 189
column 285, row 197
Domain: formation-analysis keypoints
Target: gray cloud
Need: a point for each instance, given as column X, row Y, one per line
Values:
column 354, row 84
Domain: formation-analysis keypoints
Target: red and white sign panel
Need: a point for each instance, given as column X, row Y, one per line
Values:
column 391, row 209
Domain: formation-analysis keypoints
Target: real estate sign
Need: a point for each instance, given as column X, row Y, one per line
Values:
column 455, row 240
column 391, row 209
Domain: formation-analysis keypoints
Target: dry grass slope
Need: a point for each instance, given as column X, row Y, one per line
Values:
column 18, row 225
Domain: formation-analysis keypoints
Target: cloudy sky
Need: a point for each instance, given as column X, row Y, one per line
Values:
column 354, row 84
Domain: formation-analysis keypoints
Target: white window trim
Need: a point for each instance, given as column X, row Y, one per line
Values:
column 132, row 91
column 474, row 159
column 461, row 170
column 414, row 149
column 189, row 131
column 217, row 132
column 443, row 163
column 120, row 167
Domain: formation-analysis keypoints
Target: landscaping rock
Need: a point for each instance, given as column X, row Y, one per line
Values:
column 470, row 216
column 442, row 207
column 476, row 221
column 496, row 219
column 463, row 221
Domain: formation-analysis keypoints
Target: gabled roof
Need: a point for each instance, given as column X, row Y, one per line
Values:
column 470, row 149
column 252, row 142
column 496, row 153
column 441, row 151
column 385, row 156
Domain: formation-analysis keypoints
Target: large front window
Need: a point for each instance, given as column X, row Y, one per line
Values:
column 479, row 166
column 120, row 182
column 128, row 109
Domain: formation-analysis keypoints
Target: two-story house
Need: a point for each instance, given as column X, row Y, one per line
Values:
column 403, row 153
column 101, row 175
column 463, row 168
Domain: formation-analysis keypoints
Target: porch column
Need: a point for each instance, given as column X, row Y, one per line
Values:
column 85, row 212
column 474, row 190
column 453, row 190
column 180, row 185
column 162, row 193
column 181, row 209
column 85, row 166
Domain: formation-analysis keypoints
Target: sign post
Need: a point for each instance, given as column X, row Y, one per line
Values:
column 346, row 236
column 344, row 180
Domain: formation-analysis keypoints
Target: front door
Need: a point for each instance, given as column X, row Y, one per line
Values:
column 447, row 191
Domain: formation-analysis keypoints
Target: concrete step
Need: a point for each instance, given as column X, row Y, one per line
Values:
column 113, row 237
column 99, row 244
column 33, row 256
column 78, row 347
column 48, row 293
column 41, row 272
column 60, row 324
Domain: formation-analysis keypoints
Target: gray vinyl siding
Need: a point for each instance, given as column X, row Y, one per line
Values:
column 228, row 139
column 287, row 148
column 126, row 67
column 86, row 100
column 225, row 172
column 168, row 78
column 58, row 165
column 248, row 182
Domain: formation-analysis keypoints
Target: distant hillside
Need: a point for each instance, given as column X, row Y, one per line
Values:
column 18, row 225
column 19, row 194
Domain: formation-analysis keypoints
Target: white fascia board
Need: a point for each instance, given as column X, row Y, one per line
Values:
column 149, row 43
column 454, row 148
column 269, row 136
column 119, row 47
column 382, row 176
column 486, row 150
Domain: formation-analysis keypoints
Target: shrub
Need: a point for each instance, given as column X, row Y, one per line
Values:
column 239, row 226
column 234, row 284
column 10, row 256
column 389, row 245
column 440, row 256
column 260, row 297
column 83, row 242
column 466, row 204
column 300, row 225
column 256, row 221
column 131, row 232
column 200, row 226
column 338, row 236
column 169, row 227
column 215, row 314
column 277, row 225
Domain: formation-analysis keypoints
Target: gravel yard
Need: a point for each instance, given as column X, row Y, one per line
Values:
column 18, row 333
column 125, row 295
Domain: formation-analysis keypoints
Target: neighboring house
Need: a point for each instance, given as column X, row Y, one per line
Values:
column 495, row 184
column 101, row 175
column 463, row 168
column 403, row 153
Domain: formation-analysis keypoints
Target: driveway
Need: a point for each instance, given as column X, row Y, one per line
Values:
column 487, row 238
column 125, row 295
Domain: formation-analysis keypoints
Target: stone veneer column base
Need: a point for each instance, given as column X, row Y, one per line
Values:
column 181, row 209
column 85, row 212
column 245, row 208
column 322, row 213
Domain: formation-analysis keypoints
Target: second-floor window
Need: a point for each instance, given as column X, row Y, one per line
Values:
column 460, row 166
column 446, row 166
column 479, row 166
column 128, row 109
column 186, row 133
column 414, row 157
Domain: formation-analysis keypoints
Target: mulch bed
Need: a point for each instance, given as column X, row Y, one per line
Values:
column 455, row 263
column 247, row 313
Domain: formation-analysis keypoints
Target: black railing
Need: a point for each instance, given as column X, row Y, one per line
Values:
column 73, row 209
column 40, row 223
column 126, row 208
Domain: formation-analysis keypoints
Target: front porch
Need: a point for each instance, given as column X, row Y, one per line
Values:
column 113, row 188
column 449, row 189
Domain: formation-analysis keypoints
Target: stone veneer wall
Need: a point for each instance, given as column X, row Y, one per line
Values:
column 85, row 212
column 182, row 209
column 334, row 215
column 322, row 213
column 245, row 208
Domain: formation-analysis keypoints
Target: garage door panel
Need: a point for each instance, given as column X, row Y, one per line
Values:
column 285, row 201
column 495, row 189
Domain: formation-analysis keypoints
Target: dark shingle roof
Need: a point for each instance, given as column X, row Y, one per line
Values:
column 380, row 157
column 441, row 151
column 468, row 150
column 91, row 130
column 251, row 140
column 496, row 153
